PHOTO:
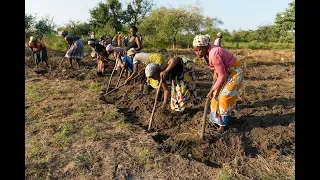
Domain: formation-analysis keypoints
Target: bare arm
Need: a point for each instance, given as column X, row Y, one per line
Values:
column 222, row 76
column 171, row 64
column 138, row 43
column 135, row 71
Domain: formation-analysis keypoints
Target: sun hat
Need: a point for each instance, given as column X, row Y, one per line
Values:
column 131, row 51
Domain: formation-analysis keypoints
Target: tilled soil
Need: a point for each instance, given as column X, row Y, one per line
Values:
column 262, row 125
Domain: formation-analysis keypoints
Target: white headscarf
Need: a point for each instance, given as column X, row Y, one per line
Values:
column 200, row 40
column 109, row 48
column 32, row 38
column 90, row 42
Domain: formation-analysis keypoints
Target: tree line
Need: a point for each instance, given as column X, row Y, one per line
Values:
column 164, row 26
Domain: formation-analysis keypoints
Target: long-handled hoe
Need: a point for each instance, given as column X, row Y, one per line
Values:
column 120, row 85
column 115, row 66
column 204, row 117
column 119, row 77
column 154, row 106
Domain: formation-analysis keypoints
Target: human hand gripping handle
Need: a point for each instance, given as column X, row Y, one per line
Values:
column 163, row 74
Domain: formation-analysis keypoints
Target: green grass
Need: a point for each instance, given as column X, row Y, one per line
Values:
column 61, row 139
column 85, row 160
column 35, row 94
column 142, row 155
column 76, row 116
column 89, row 131
column 95, row 86
column 224, row 175
column 257, row 45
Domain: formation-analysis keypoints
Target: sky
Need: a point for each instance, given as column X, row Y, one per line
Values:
column 235, row 14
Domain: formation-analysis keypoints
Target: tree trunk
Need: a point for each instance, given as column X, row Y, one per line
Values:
column 174, row 41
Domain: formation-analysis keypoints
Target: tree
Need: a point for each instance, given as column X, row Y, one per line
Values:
column 45, row 25
column 29, row 21
column 136, row 11
column 28, row 24
column 211, row 26
column 107, row 14
column 78, row 28
column 164, row 24
column 38, row 28
column 285, row 21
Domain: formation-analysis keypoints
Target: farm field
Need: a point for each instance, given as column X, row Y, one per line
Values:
column 74, row 131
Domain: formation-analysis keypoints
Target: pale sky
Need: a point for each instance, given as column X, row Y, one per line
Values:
column 235, row 14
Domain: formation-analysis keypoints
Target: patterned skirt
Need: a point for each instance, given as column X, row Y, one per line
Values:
column 183, row 89
column 76, row 50
column 224, row 102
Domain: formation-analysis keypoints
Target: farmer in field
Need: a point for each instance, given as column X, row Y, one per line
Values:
column 93, row 35
column 39, row 51
column 180, row 71
column 126, row 63
column 102, row 55
column 119, row 39
column 108, row 40
column 143, row 59
column 225, row 89
column 218, row 40
column 114, row 52
column 75, row 49
column 134, row 40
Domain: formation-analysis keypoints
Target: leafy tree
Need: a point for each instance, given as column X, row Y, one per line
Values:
column 28, row 24
column 29, row 21
column 164, row 24
column 45, row 25
column 285, row 21
column 136, row 11
column 211, row 26
column 107, row 14
column 78, row 28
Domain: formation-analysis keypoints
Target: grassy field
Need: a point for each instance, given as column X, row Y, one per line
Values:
column 74, row 131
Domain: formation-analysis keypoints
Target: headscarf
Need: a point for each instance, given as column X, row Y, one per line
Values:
column 90, row 42
column 32, row 38
column 151, row 69
column 131, row 51
column 109, row 48
column 200, row 40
